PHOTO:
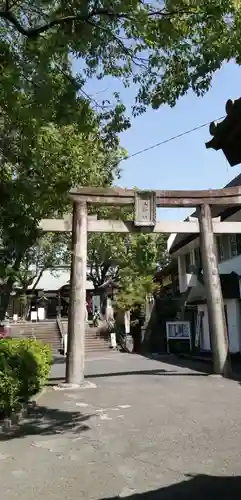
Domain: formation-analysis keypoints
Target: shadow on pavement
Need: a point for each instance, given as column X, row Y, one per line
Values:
column 48, row 421
column 200, row 487
column 59, row 360
column 203, row 367
column 166, row 373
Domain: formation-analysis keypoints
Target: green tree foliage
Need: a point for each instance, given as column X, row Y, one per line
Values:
column 164, row 47
column 129, row 261
column 145, row 253
column 24, row 369
column 50, row 139
column 106, row 252
column 53, row 134
column 48, row 252
column 35, row 181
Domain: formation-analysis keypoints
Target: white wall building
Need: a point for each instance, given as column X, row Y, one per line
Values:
column 186, row 248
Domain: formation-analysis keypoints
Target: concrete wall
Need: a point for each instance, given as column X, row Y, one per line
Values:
column 196, row 242
column 225, row 267
column 188, row 279
column 182, row 274
column 185, row 279
column 230, row 265
column 234, row 326
column 204, row 338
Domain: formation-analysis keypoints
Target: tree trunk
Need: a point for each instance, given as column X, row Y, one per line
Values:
column 7, row 288
column 23, row 293
column 27, row 310
column 4, row 300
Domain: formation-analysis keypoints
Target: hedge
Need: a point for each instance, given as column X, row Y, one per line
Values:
column 24, row 369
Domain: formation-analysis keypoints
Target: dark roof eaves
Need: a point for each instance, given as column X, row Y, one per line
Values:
column 224, row 214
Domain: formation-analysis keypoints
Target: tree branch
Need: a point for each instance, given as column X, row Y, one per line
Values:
column 39, row 276
column 104, row 271
column 35, row 32
column 78, row 88
column 8, row 16
column 93, row 275
column 97, row 271
column 138, row 61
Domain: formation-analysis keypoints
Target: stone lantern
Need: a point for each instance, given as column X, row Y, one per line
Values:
column 227, row 133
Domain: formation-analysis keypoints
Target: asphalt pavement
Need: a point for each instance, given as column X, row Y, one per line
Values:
column 144, row 429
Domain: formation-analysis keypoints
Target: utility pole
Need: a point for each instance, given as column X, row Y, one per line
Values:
column 77, row 303
column 216, row 316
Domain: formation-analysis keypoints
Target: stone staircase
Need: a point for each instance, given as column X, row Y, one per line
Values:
column 96, row 339
column 44, row 331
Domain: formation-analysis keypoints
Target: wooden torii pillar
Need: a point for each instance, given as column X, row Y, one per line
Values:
column 145, row 203
column 215, row 305
column 77, row 302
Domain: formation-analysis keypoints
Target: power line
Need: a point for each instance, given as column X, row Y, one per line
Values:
column 170, row 139
column 165, row 141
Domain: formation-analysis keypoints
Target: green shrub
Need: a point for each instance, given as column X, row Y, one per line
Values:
column 24, row 369
column 9, row 391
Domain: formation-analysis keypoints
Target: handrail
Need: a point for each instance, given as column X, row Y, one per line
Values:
column 63, row 334
column 121, row 338
column 60, row 326
column 122, row 341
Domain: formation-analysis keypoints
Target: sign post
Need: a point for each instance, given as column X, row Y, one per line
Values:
column 198, row 328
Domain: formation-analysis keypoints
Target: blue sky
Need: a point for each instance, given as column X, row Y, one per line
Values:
column 183, row 163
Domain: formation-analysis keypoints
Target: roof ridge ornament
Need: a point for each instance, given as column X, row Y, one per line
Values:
column 227, row 133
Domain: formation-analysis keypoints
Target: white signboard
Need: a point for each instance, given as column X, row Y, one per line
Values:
column 145, row 208
column 34, row 316
column 41, row 313
column 178, row 330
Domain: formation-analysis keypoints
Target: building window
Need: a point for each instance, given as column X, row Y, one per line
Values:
column 223, row 247
column 233, row 245
column 198, row 258
column 238, row 243
column 188, row 262
column 220, row 249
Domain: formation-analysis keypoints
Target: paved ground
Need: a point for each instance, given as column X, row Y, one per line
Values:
column 149, row 430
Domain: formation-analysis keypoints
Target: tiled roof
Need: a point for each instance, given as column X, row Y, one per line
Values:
column 54, row 280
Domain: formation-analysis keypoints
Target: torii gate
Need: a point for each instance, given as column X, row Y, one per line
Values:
column 144, row 204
